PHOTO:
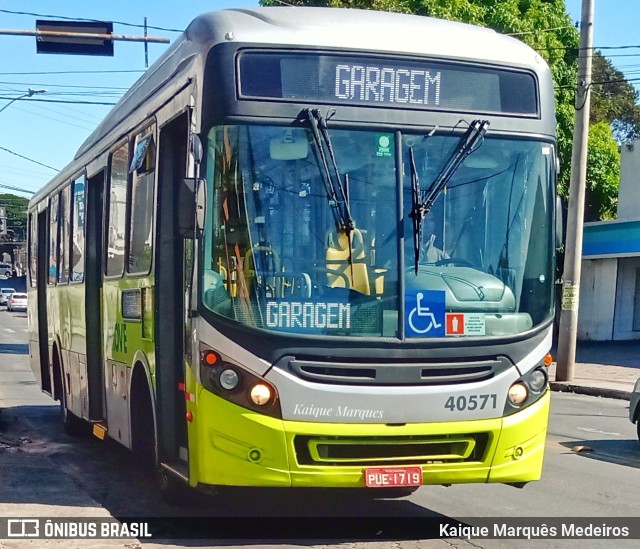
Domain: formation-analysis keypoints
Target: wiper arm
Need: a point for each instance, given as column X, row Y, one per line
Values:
column 417, row 214
column 334, row 186
column 467, row 144
column 346, row 219
column 422, row 201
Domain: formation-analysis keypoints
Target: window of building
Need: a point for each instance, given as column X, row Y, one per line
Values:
column 636, row 304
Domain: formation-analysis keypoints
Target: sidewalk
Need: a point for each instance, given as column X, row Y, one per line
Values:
column 603, row 368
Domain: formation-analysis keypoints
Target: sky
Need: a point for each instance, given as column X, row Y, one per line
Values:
column 37, row 137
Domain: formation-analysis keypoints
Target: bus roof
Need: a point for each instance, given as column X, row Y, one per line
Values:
column 361, row 30
column 351, row 29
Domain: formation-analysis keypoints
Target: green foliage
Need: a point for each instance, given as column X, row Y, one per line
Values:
column 16, row 210
column 614, row 100
column 603, row 174
column 545, row 26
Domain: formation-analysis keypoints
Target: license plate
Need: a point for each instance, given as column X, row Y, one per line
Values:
column 378, row 477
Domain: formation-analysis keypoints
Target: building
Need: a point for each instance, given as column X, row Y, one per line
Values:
column 610, row 281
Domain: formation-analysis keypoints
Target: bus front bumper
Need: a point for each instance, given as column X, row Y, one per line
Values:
column 237, row 447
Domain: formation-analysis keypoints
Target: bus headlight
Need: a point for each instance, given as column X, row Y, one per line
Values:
column 527, row 390
column 537, row 380
column 260, row 394
column 229, row 379
column 225, row 379
column 518, row 393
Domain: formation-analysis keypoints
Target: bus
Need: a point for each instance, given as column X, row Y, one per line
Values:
column 310, row 247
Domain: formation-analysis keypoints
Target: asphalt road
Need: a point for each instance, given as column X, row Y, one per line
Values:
column 592, row 469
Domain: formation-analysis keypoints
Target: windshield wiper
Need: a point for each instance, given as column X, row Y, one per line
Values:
column 416, row 211
column 422, row 201
column 336, row 189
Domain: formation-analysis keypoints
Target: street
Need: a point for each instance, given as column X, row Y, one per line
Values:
column 592, row 469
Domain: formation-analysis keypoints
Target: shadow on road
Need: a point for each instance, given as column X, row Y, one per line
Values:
column 14, row 348
column 40, row 464
column 620, row 452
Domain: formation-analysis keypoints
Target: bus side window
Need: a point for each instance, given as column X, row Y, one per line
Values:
column 63, row 242
column 77, row 230
column 33, row 249
column 117, row 198
column 53, row 239
column 142, row 170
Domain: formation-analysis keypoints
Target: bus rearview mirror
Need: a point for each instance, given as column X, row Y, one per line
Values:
column 191, row 206
column 201, row 205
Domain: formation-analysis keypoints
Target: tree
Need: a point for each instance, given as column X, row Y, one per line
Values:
column 542, row 24
column 545, row 26
column 603, row 174
column 16, row 210
column 614, row 100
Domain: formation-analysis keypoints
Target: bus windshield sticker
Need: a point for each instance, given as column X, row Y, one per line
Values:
column 308, row 316
column 469, row 324
column 383, row 144
column 424, row 313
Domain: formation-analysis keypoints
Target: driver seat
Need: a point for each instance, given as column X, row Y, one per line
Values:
column 341, row 273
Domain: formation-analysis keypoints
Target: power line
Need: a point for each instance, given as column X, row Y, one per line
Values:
column 87, row 125
column 29, row 159
column 539, row 30
column 139, row 71
column 65, row 101
column 90, row 20
column 113, row 88
column 12, row 188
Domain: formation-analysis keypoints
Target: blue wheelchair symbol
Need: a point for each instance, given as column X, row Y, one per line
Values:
column 424, row 313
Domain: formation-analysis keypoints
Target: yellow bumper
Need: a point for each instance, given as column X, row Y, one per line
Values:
column 230, row 445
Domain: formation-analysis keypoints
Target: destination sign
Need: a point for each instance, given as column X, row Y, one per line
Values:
column 336, row 79
column 307, row 316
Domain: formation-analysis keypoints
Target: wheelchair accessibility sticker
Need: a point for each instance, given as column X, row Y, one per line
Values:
column 424, row 313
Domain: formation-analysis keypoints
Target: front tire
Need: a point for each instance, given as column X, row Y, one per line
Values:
column 173, row 490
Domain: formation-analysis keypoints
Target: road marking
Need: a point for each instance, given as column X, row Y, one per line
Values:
column 590, row 430
column 9, row 330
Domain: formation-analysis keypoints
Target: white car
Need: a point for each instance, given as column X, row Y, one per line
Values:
column 5, row 293
column 634, row 406
column 6, row 271
column 17, row 302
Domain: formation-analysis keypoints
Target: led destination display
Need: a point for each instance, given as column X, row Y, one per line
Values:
column 425, row 84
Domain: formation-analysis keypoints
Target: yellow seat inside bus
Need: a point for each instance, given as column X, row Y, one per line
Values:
column 347, row 268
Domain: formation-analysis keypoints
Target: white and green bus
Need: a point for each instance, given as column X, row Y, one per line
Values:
column 309, row 248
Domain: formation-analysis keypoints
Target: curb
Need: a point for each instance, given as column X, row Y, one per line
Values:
column 564, row 387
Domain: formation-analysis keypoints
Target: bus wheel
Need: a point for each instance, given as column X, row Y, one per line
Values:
column 172, row 489
column 71, row 424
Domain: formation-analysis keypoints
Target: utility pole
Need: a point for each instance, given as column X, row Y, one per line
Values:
column 568, row 332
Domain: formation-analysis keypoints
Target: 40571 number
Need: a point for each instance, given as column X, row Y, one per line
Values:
column 472, row 402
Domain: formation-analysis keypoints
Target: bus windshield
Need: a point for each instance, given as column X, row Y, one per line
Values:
column 296, row 241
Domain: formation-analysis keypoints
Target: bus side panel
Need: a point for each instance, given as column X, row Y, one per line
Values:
column 116, row 350
column 520, row 451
